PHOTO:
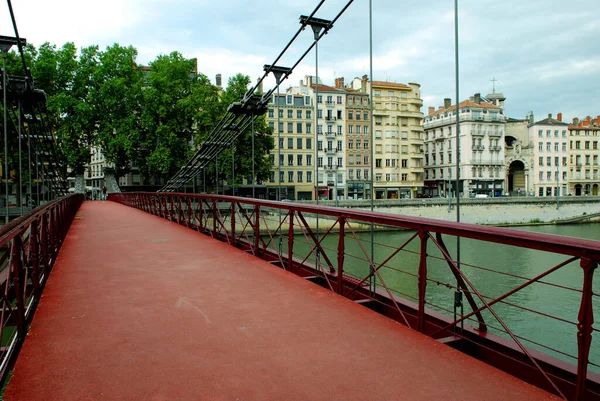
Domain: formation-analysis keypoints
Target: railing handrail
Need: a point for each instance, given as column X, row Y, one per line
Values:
column 546, row 242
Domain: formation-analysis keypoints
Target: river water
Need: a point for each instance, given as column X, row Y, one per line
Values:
column 400, row 272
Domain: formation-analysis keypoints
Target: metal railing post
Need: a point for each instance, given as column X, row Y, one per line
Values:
column 233, row 223
column 584, row 327
column 256, row 229
column 34, row 259
column 290, row 252
column 341, row 252
column 16, row 267
column 422, row 281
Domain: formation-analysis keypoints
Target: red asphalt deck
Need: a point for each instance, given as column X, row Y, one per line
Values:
column 139, row 308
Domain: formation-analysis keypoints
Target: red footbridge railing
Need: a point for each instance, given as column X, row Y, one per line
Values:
column 29, row 246
column 523, row 302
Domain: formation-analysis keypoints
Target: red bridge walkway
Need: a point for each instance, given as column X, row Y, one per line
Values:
column 138, row 308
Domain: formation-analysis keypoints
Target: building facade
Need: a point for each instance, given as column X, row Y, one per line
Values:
column 290, row 118
column 550, row 156
column 482, row 129
column 583, row 159
column 518, row 156
column 398, row 138
column 358, row 143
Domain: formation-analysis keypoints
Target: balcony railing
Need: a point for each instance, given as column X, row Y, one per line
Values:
column 488, row 162
column 402, row 279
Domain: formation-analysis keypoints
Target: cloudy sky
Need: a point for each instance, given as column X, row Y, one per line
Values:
column 544, row 54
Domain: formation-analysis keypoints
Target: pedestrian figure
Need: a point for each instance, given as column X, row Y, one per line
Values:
column 104, row 193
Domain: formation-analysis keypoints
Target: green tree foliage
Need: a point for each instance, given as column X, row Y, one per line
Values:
column 154, row 116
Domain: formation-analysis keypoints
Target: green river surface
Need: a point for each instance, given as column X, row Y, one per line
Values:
column 400, row 272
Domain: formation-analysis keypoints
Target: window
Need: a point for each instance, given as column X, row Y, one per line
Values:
column 350, row 115
column 309, row 160
column 339, row 146
column 378, row 93
column 541, row 147
column 350, row 144
column 378, row 163
column 366, row 159
column 556, row 147
column 308, row 143
column 339, row 130
column 320, row 162
column 548, row 133
column 405, row 177
column 309, row 176
column 272, row 176
column 378, row 177
column 541, row 162
column 308, row 128
column 351, row 129
column 300, row 178
column 564, row 133
column 339, row 100
column 595, row 145
column 329, row 99
column 387, row 176
column 320, row 99
column 340, row 162
column 365, row 116
column 378, row 134
column 404, row 135
column 366, row 145
column 319, row 113
column 320, row 145
column 290, row 159
column 358, row 115
column 271, row 113
column 280, row 127
column 358, row 171
column 403, row 95
column 366, row 174
column 272, row 159
column 298, row 128
column 290, row 176
column 320, row 129
column 404, row 121
column 404, row 149
column 351, row 174
column 281, row 175
column 358, row 129
column 340, row 178
column 290, row 113
column 549, row 146
column 298, row 113
column 549, row 175
column 556, row 133
column 404, row 163
column 366, row 130
column 388, row 162
column 329, row 145
column 290, row 143
column 587, row 144
column 271, row 126
column 564, row 161
column 541, row 133
column 298, row 160
column 564, row 147
column 556, row 161
column 308, row 114
column 281, row 158
column 548, row 161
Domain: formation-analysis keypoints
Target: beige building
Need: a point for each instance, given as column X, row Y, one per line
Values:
column 518, row 156
column 398, row 138
column 583, row 157
column 290, row 118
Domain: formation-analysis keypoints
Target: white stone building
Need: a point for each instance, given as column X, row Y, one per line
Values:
column 549, row 138
column 482, row 128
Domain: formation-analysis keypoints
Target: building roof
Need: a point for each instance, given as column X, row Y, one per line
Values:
column 550, row 121
column 466, row 103
column 390, row 84
column 325, row 88
column 588, row 123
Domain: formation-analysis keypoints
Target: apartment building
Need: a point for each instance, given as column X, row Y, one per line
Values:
column 482, row 168
column 550, row 156
column 290, row 118
column 583, row 159
column 398, row 138
column 358, row 142
column 518, row 156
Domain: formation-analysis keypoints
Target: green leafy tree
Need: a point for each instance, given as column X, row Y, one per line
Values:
column 116, row 96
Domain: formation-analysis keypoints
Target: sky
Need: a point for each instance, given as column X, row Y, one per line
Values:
column 544, row 54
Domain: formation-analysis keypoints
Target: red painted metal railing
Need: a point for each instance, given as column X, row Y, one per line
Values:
column 393, row 270
column 29, row 247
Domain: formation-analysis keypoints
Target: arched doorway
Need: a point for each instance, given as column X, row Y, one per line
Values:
column 595, row 190
column 578, row 190
column 516, row 176
column 588, row 189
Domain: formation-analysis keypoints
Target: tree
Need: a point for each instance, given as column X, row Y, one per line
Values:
column 117, row 98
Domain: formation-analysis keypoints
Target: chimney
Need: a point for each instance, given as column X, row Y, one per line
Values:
column 549, row 115
column 575, row 121
column 309, row 80
column 440, row 108
column 447, row 103
column 431, row 110
column 477, row 98
column 260, row 86
column 363, row 83
column 339, row 83
column 301, row 82
column 559, row 117
column 588, row 119
column 218, row 80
